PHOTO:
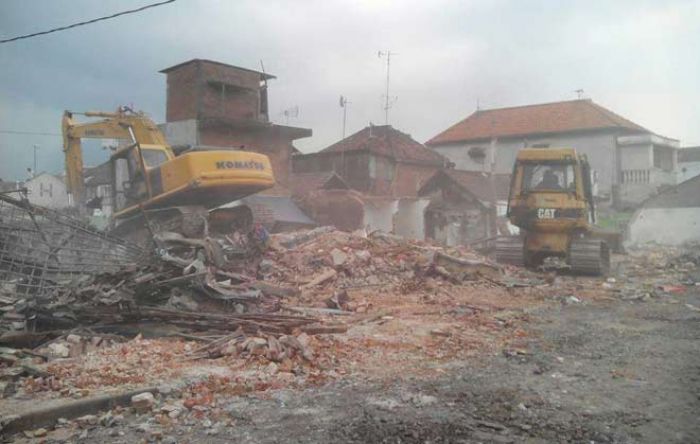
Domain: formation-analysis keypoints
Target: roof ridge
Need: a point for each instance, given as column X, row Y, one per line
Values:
column 533, row 104
column 606, row 113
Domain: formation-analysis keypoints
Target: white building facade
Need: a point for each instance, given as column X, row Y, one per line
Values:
column 629, row 163
column 48, row 191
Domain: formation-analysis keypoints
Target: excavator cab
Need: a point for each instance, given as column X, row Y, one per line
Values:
column 132, row 181
column 551, row 201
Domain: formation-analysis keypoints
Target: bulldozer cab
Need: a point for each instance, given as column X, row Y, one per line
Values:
column 553, row 177
column 550, row 184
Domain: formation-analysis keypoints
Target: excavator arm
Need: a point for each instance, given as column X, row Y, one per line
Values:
column 123, row 124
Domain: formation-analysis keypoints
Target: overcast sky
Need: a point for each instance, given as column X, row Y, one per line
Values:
column 637, row 58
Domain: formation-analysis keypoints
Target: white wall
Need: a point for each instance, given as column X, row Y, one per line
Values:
column 670, row 226
column 692, row 169
column 459, row 154
column 380, row 215
column 183, row 132
column 409, row 220
column 47, row 191
column 599, row 147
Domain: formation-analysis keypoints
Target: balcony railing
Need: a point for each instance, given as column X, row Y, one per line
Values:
column 636, row 176
column 653, row 176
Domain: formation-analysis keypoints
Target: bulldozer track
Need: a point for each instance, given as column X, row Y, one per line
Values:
column 589, row 256
column 510, row 250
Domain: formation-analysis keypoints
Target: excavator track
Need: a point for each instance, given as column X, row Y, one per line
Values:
column 511, row 250
column 589, row 256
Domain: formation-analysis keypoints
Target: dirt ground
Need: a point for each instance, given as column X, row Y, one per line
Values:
column 596, row 371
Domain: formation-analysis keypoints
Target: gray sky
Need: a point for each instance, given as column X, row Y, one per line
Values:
column 637, row 58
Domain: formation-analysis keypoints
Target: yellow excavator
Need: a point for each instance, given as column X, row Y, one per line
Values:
column 551, row 201
column 149, row 183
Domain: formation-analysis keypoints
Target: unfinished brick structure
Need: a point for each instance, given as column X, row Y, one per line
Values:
column 215, row 104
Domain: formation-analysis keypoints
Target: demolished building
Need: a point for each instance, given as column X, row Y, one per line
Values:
column 384, row 169
column 464, row 205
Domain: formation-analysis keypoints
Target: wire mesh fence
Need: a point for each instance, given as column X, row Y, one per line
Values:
column 43, row 249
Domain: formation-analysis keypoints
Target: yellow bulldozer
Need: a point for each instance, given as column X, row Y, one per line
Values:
column 149, row 183
column 551, row 201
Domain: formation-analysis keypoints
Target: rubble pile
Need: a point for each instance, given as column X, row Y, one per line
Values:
column 233, row 315
column 654, row 272
column 203, row 285
column 352, row 260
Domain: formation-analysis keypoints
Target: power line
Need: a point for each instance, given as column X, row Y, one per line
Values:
column 75, row 25
column 29, row 133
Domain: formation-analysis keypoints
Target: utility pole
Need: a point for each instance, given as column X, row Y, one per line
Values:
column 344, row 104
column 387, row 99
column 36, row 147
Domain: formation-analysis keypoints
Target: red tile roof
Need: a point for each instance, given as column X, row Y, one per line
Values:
column 303, row 183
column 557, row 117
column 387, row 141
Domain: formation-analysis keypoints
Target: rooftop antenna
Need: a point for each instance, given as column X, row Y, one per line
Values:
column 263, row 92
column 388, row 101
column 478, row 105
column 579, row 93
column 290, row 112
column 344, row 104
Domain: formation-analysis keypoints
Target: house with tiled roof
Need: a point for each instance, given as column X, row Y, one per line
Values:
column 377, row 160
column 383, row 169
column 629, row 161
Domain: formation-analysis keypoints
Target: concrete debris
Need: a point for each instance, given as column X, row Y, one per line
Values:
column 658, row 272
column 143, row 402
column 59, row 350
column 339, row 258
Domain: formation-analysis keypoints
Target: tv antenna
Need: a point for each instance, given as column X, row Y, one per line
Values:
column 388, row 101
column 579, row 93
column 292, row 112
column 344, row 104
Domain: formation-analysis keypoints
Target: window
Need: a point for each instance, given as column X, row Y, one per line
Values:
column 550, row 177
column 48, row 190
column 477, row 154
column 153, row 158
column 540, row 145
